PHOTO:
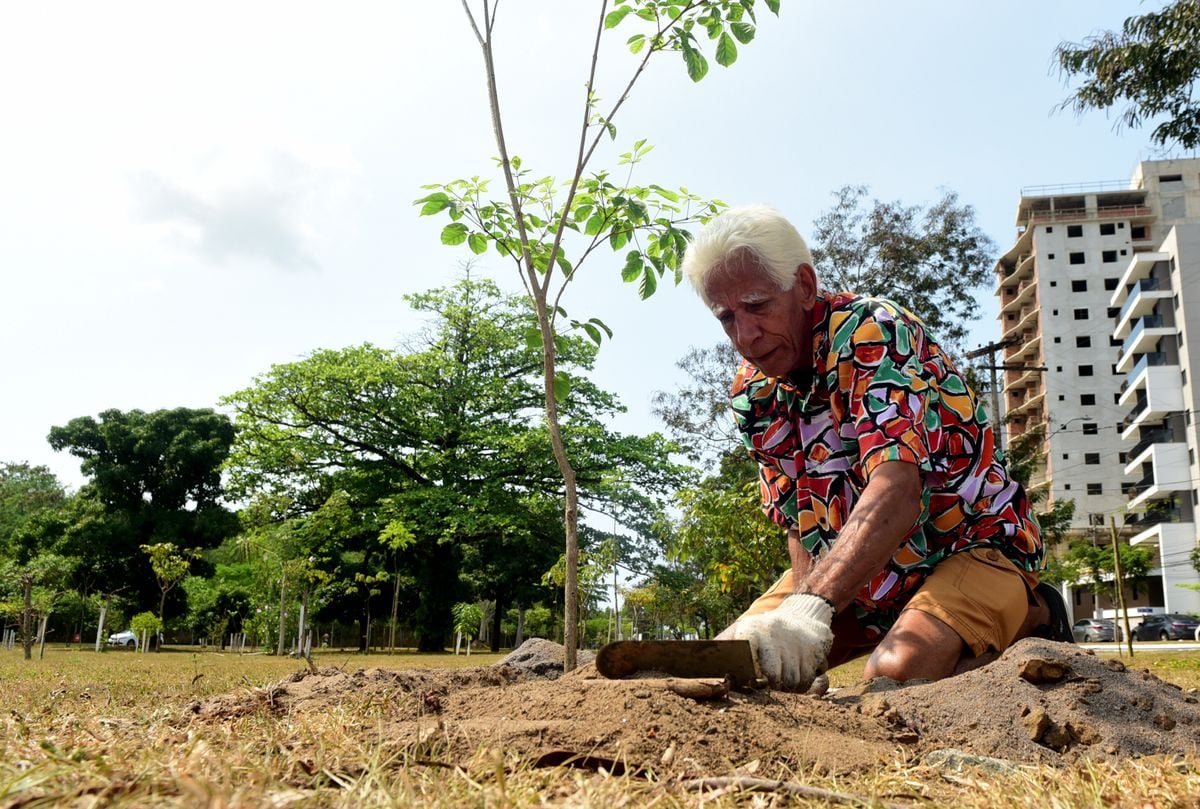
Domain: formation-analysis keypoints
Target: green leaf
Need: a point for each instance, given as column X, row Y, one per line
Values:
column 697, row 65
column 726, row 53
column 774, row 6
column 562, row 386
column 744, row 32
column 636, row 43
column 619, row 237
column 592, row 332
column 633, row 266
column 478, row 243
column 435, row 203
column 612, row 130
column 648, row 284
column 454, row 233
column 602, row 325
column 594, row 225
column 613, row 18
column 647, row 14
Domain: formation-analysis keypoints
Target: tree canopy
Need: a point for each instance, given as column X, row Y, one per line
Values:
column 1150, row 66
column 932, row 260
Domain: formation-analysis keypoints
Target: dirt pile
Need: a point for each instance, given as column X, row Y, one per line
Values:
column 1040, row 702
column 543, row 658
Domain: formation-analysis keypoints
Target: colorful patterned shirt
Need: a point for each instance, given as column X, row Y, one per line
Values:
column 881, row 390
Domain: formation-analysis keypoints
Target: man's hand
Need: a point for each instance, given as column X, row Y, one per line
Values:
column 791, row 642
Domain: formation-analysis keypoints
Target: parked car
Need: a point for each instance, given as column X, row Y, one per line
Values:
column 1171, row 626
column 1093, row 630
column 126, row 638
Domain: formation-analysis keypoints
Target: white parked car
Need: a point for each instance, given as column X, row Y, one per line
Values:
column 126, row 638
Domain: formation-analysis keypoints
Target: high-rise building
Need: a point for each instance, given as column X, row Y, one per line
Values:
column 1094, row 305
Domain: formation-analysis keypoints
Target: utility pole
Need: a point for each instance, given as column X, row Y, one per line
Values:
column 989, row 351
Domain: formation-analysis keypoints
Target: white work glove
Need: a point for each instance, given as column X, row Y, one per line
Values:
column 791, row 642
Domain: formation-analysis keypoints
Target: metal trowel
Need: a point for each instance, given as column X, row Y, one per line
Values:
column 731, row 659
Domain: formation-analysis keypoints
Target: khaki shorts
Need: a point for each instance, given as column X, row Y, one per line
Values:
column 978, row 593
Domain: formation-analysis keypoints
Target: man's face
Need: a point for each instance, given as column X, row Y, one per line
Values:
column 768, row 326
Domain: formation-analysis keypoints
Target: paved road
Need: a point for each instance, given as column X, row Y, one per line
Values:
column 1147, row 646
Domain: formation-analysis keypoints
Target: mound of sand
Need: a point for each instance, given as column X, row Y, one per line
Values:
column 1040, row 702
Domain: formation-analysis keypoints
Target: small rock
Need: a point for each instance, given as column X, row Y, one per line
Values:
column 1114, row 665
column 1083, row 733
column 1037, row 721
column 1164, row 722
column 1056, row 738
column 1038, row 670
column 819, row 687
column 954, row 759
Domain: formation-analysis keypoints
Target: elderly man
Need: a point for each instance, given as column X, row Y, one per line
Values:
column 908, row 539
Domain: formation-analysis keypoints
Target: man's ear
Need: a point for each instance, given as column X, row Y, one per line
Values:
column 806, row 285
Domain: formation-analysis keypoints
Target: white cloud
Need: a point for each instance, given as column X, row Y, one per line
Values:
column 233, row 210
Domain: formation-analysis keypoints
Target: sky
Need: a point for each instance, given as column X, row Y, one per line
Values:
column 191, row 193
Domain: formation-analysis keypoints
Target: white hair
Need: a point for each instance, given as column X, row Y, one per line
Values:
column 757, row 232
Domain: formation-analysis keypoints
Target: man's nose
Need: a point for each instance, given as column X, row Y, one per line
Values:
column 745, row 329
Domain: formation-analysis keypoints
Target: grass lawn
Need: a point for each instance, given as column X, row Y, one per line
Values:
column 85, row 729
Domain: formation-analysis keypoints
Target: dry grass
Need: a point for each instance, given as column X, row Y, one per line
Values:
column 80, row 729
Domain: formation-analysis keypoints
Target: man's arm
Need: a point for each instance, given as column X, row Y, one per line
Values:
column 883, row 515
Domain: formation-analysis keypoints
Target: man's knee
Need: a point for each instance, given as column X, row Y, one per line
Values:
column 918, row 647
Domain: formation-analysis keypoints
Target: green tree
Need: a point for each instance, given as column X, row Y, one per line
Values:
column 169, row 566
column 532, row 220
column 934, row 260
column 446, row 438
column 32, row 509
column 1151, row 66
column 154, row 478
column 467, row 618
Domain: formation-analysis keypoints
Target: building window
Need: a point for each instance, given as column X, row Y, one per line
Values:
column 1051, row 257
column 1086, row 370
column 1074, row 231
column 1095, row 488
column 1122, row 458
column 1049, row 229
column 1076, row 258
column 1067, row 487
column 1054, row 312
column 1108, row 256
column 1087, row 399
column 1062, row 397
column 1114, row 369
column 1115, row 341
column 1113, row 312
column 1117, row 398
column 1079, row 285
column 1083, row 342
column 1010, row 317
column 1120, row 225
column 1124, row 252
column 1091, row 458
column 1091, row 428
column 1058, row 339
column 1108, row 229
column 1139, row 232
column 1110, row 284
column 1058, row 369
column 1066, row 456
column 1080, row 314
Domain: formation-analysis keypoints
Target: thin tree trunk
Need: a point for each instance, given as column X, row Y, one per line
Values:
column 42, row 637
column 100, row 626
column 395, row 613
column 27, row 617
column 282, row 614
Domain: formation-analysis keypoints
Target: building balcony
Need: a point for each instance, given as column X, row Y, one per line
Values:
column 1027, row 321
column 1025, row 352
column 1148, row 437
column 1170, row 537
column 1143, row 341
column 1167, row 473
column 1140, row 303
column 1024, row 296
column 1141, row 265
column 1029, row 408
column 1154, row 391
